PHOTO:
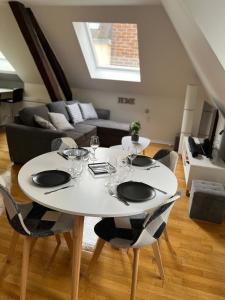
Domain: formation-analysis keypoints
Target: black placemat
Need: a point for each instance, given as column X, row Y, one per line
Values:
column 51, row 178
column 142, row 161
column 135, row 191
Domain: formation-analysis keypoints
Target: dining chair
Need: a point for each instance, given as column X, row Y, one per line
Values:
column 60, row 144
column 169, row 158
column 134, row 232
column 119, row 147
column 32, row 221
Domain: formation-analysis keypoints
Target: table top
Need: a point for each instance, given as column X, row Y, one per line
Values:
column 142, row 143
column 89, row 196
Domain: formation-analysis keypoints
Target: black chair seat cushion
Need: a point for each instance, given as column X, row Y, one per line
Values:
column 107, row 230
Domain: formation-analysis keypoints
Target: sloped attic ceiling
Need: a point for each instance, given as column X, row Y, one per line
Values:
column 200, row 26
column 165, row 67
column 14, row 48
column 88, row 2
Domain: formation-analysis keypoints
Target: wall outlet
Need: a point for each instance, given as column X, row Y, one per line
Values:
column 125, row 100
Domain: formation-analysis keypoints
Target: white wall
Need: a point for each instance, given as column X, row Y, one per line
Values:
column 160, row 125
column 165, row 67
column 201, row 41
column 210, row 17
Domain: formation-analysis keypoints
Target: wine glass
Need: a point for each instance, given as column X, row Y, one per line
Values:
column 72, row 156
column 122, row 168
column 132, row 150
column 78, row 167
column 110, row 167
column 94, row 143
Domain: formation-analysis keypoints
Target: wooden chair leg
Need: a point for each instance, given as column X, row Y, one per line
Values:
column 168, row 242
column 25, row 264
column 68, row 239
column 157, row 254
column 166, row 234
column 12, row 247
column 58, row 240
column 98, row 249
column 135, row 273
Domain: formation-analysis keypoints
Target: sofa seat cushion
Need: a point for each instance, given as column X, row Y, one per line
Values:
column 108, row 124
column 73, row 134
column 27, row 114
column 59, row 107
column 85, row 128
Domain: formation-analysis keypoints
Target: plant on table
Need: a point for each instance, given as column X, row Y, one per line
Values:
column 135, row 128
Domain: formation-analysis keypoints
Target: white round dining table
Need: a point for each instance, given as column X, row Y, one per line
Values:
column 88, row 196
column 138, row 147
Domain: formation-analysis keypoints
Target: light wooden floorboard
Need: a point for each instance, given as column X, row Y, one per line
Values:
column 197, row 271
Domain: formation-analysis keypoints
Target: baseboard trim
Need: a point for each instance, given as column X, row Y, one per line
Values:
column 168, row 143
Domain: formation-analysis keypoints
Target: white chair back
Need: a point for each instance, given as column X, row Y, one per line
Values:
column 155, row 223
column 173, row 161
column 61, row 144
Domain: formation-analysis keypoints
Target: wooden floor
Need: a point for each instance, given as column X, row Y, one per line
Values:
column 196, row 271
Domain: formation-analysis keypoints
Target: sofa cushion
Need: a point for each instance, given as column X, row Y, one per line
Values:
column 43, row 123
column 88, row 111
column 74, row 113
column 103, row 113
column 60, row 121
column 27, row 114
column 59, row 107
column 108, row 124
column 85, row 129
column 71, row 102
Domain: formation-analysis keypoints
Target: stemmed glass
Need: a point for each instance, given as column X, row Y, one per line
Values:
column 77, row 166
column 110, row 169
column 132, row 155
column 94, row 143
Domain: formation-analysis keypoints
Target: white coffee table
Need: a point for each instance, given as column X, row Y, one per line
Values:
column 89, row 196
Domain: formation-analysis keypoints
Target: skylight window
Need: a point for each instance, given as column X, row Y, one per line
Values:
column 5, row 66
column 110, row 50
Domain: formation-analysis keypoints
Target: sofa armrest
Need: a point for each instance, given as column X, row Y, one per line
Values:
column 27, row 142
column 103, row 113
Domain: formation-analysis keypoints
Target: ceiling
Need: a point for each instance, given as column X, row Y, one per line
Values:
column 87, row 2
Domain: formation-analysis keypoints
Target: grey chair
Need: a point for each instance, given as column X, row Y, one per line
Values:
column 32, row 221
column 167, row 157
column 63, row 143
column 134, row 232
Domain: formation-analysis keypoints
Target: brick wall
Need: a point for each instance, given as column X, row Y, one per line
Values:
column 124, row 47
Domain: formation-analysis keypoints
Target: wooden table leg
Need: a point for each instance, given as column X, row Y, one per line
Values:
column 77, row 248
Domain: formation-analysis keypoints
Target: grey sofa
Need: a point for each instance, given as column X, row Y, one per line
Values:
column 26, row 140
